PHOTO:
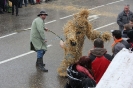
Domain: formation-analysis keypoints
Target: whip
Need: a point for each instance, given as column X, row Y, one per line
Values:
column 56, row 35
column 48, row 31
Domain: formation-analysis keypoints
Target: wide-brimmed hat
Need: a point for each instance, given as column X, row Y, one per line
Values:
column 42, row 13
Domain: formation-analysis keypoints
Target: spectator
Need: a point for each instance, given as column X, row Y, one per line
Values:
column 15, row 3
column 28, row 1
column 2, row 6
column 9, row 6
column 38, row 1
column 83, row 66
column 25, row 2
column 127, row 27
column 130, row 40
column 32, row 2
column 37, row 39
column 99, row 59
column 1, row 11
column 79, row 75
column 131, row 22
column 20, row 3
column 119, row 43
column 47, row 1
column 124, row 17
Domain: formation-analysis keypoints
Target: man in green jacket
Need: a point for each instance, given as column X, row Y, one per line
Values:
column 37, row 39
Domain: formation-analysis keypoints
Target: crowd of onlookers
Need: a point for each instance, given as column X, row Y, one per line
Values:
column 88, row 71
column 124, row 20
column 12, row 6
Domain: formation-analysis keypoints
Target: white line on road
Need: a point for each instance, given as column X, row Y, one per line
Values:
column 50, row 21
column 4, row 61
column 23, row 29
column 66, row 16
column 63, row 18
column 8, row 35
column 49, row 45
column 94, row 17
column 95, row 8
column 13, row 58
column 105, row 26
column 114, row 2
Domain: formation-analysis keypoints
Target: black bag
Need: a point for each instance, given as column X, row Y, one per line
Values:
column 88, row 82
column 67, row 85
column 77, row 79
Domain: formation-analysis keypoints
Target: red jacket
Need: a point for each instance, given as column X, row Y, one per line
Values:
column 99, row 66
column 99, row 62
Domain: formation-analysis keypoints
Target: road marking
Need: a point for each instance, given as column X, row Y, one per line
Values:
column 106, row 4
column 66, row 16
column 23, row 29
column 114, row 2
column 50, row 22
column 94, row 17
column 13, row 58
column 105, row 26
column 27, row 29
column 4, row 61
column 95, row 8
column 49, row 45
column 63, row 18
column 8, row 35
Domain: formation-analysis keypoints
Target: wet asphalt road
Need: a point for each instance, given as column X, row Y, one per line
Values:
column 17, row 62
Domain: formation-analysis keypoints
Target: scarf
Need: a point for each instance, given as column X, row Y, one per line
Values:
column 116, row 41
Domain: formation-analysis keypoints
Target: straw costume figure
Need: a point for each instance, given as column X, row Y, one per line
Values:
column 75, row 31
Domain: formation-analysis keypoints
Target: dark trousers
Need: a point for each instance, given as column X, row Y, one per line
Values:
column 25, row 2
column 32, row 2
column 2, row 7
column 1, row 10
column 16, row 7
column 29, row 1
column 20, row 3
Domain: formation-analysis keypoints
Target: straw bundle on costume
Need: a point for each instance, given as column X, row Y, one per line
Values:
column 75, row 31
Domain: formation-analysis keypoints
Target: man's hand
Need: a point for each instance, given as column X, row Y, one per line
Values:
column 89, row 53
column 62, row 44
column 45, row 41
column 46, row 29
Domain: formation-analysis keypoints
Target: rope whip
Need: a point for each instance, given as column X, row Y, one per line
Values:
column 48, row 31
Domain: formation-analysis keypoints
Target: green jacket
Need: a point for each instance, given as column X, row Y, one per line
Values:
column 37, row 36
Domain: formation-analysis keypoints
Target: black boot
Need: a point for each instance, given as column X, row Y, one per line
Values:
column 37, row 62
column 40, row 65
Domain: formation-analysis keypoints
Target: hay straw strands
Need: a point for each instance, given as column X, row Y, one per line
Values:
column 106, row 36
